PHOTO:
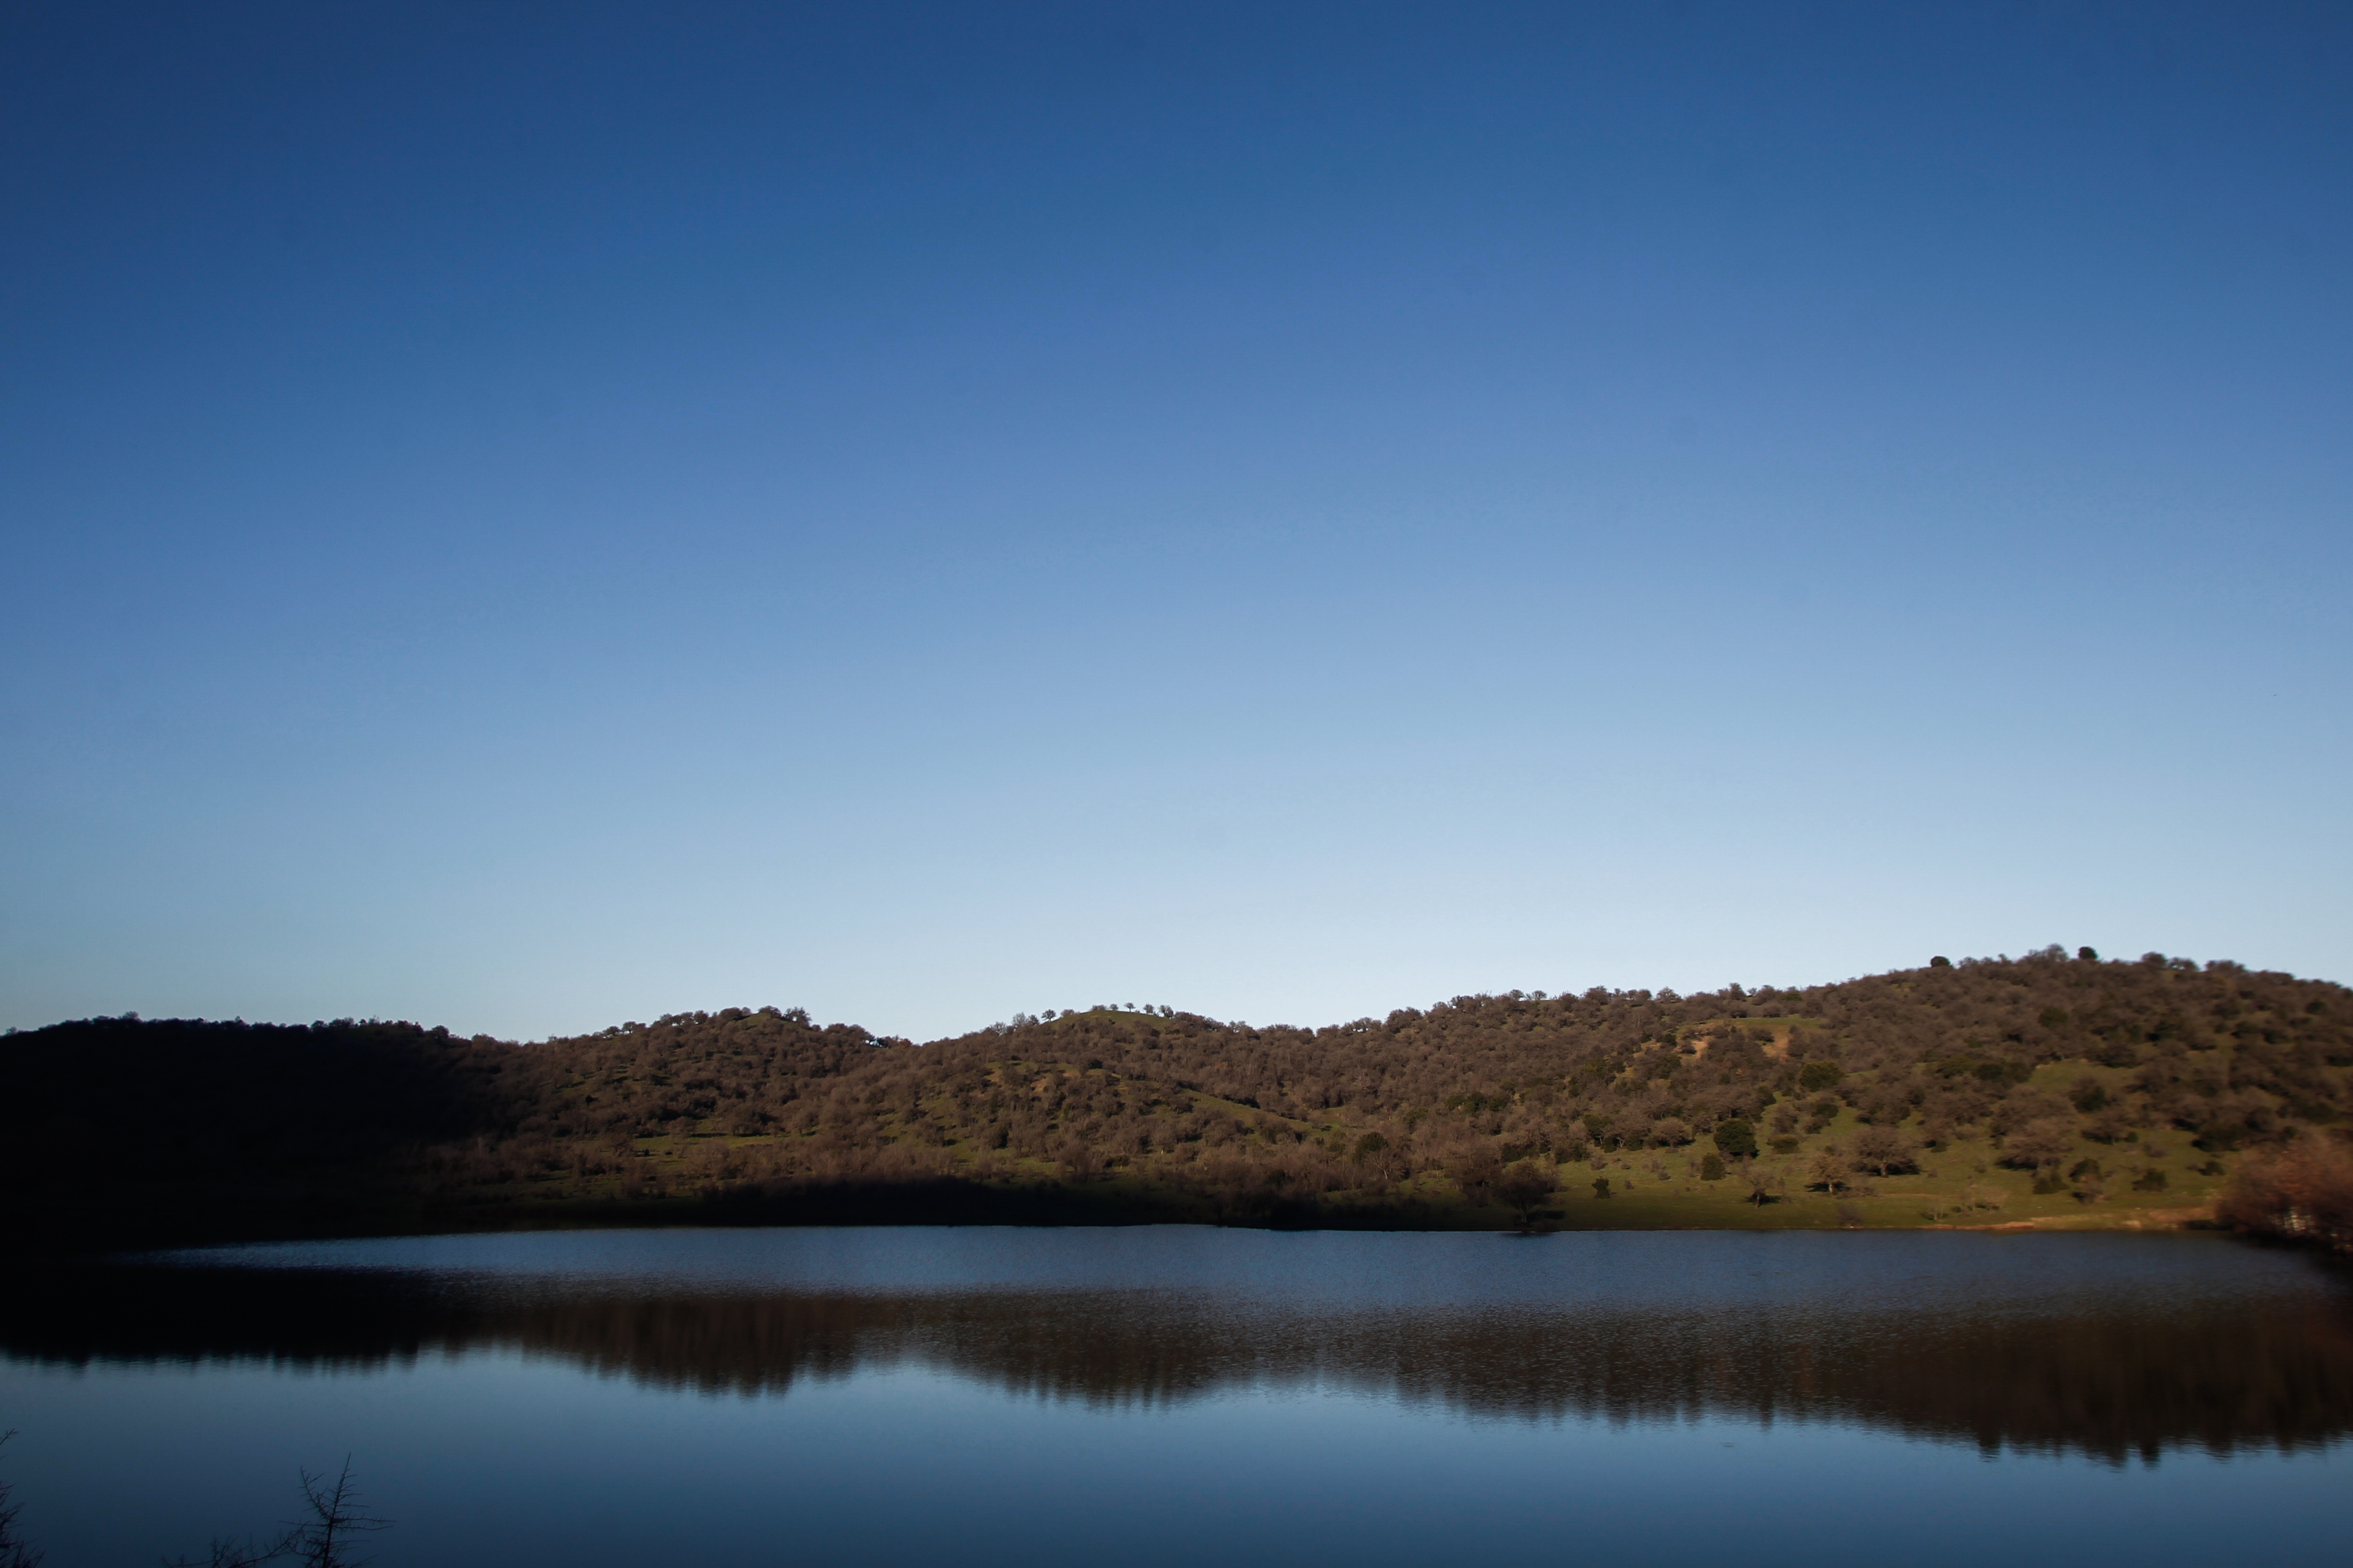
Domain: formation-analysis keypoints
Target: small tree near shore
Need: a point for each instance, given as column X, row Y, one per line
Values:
column 1525, row 1189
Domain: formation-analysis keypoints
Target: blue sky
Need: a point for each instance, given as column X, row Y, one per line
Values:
column 525, row 518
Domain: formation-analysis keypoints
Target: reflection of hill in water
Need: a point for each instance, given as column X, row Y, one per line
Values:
column 2219, row 1375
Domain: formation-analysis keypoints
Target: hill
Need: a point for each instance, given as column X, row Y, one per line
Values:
column 2052, row 1087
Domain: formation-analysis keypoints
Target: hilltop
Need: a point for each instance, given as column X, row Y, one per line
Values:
column 2052, row 1089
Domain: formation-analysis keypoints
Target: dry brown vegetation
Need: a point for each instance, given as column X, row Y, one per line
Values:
column 2301, row 1193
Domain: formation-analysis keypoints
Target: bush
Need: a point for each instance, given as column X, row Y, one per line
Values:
column 1710, row 1168
column 1670, row 1131
column 2149, row 1180
column 2222, row 1137
column 1816, row 1076
column 2301, row 1192
column 2040, row 1145
column 1734, row 1138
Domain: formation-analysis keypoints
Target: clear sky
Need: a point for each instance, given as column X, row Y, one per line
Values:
column 529, row 517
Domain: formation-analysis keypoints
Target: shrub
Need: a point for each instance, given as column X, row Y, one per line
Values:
column 1734, row 1138
column 2040, row 1145
column 2222, row 1137
column 1710, row 1168
column 2301, row 1192
column 1819, row 1075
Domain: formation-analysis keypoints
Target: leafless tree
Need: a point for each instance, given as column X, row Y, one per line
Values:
column 16, row 1552
column 324, row 1539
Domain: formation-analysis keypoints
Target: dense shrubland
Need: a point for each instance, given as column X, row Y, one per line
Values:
column 2095, row 1077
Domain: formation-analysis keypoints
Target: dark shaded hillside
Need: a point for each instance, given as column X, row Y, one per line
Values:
column 174, row 1127
column 2071, row 1071
column 130, row 1130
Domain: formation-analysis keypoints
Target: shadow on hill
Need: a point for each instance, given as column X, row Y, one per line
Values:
column 121, row 1132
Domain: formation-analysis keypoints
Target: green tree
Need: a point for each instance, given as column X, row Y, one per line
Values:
column 1734, row 1138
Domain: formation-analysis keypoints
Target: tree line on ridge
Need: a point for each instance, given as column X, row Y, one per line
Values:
column 182, row 1127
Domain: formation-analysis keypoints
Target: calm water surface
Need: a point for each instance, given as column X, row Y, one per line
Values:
column 1173, row 1395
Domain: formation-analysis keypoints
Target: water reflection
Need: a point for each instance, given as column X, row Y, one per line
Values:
column 2107, row 1376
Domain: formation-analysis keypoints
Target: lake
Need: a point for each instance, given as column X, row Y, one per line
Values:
column 1178, row 1395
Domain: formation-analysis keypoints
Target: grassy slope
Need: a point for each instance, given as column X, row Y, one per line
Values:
column 1960, row 1185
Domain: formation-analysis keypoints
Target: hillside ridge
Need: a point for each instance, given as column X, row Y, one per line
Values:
column 2054, row 1089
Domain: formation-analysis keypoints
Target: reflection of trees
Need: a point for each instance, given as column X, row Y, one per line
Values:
column 2106, row 1381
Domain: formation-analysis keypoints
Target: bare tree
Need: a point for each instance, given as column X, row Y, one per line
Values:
column 16, row 1552
column 247, row 1553
column 324, row 1539
column 336, row 1516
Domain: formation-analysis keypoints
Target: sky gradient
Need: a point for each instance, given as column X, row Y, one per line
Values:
column 528, row 518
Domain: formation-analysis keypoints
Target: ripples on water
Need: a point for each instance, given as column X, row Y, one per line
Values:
column 2105, row 1346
